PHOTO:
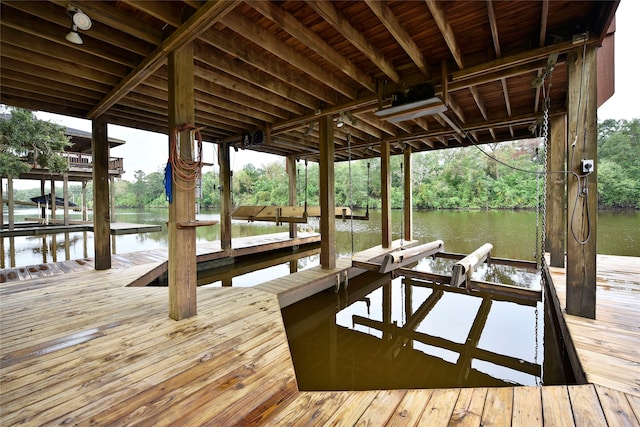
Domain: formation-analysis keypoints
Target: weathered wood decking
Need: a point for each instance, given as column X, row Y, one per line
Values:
column 82, row 348
column 608, row 347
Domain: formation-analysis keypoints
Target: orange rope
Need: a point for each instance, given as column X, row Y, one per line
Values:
column 187, row 170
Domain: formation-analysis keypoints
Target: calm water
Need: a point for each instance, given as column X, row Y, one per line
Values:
column 512, row 233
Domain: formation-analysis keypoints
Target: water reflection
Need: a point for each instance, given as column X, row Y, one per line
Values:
column 253, row 270
column 494, row 272
column 511, row 232
column 401, row 333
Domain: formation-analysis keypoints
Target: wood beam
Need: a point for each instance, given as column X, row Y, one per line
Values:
column 224, row 161
column 117, row 19
column 285, row 79
column 479, row 102
column 293, row 193
column 53, row 13
column 582, row 192
column 556, row 192
column 385, row 184
column 391, row 23
column 272, row 44
column 544, row 16
column 447, row 32
column 340, row 22
column 518, row 59
column 290, row 24
column 408, row 196
column 208, row 14
column 327, row 195
column 494, row 28
column 182, row 273
column 101, row 219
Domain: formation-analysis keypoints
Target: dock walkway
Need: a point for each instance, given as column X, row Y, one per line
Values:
column 205, row 251
column 83, row 348
column 608, row 347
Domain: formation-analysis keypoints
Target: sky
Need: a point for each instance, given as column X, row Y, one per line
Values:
column 148, row 151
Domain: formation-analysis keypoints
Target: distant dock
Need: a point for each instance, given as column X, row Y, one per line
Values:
column 36, row 227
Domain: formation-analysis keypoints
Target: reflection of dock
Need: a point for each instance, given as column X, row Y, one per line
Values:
column 36, row 227
column 84, row 348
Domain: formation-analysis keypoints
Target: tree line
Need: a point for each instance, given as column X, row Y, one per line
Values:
column 503, row 176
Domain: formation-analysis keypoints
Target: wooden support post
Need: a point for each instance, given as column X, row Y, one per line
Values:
column 408, row 198
column 101, row 219
column 293, row 186
column 43, row 207
column 53, row 198
column 327, row 195
column 385, row 183
column 84, row 201
column 10, row 206
column 582, row 194
column 182, row 273
column 65, row 196
column 112, row 199
column 224, row 161
column 556, row 193
column 1, row 208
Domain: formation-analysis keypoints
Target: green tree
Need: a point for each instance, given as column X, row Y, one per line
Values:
column 27, row 140
column 619, row 163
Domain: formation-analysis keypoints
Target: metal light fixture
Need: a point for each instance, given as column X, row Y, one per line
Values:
column 340, row 122
column 79, row 21
column 412, row 110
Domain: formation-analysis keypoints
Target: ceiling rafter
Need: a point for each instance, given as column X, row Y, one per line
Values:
column 294, row 27
column 447, row 32
column 119, row 20
column 391, row 23
column 330, row 14
column 544, row 16
column 269, row 42
column 46, row 30
column 54, row 14
column 237, row 78
column 285, row 81
column 204, row 17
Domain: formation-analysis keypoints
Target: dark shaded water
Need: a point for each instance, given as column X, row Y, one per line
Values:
column 385, row 334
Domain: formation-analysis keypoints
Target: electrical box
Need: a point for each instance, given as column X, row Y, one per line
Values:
column 587, row 166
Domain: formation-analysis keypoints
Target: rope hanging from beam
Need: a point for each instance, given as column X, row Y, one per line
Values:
column 186, row 170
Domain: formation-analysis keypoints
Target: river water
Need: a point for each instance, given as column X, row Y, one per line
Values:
column 512, row 233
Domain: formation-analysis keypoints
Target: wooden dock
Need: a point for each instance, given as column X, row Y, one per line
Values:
column 85, row 349
column 205, row 252
column 607, row 348
column 35, row 227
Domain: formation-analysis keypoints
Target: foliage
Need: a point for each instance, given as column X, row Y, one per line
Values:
column 458, row 178
column 27, row 140
column 619, row 165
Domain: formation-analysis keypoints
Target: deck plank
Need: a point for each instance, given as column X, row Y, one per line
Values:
column 586, row 406
column 527, row 406
column 556, row 407
column 617, row 409
column 498, row 408
column 468, row 409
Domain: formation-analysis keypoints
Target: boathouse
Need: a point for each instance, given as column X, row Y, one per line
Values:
column 319, row 81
